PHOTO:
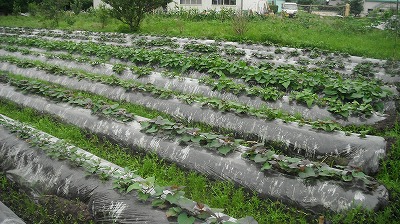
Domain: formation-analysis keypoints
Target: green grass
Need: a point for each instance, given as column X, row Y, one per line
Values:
column 350, row 35
column 329, row 33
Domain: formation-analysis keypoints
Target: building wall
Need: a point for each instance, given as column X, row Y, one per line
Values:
column 247, row 5
column 96, row 3
column 376, row 5
column 254, row 5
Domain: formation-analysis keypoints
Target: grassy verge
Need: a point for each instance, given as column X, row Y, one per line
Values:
column 351, row 35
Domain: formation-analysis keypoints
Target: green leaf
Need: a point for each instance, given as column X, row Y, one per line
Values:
column 308, row 172
column 135, row 186
column 266, row 166
column 286, row 84
column 215, row 144
column 150, row 181
column 183, row 218
column 160, row 203
column 356, row 96
column 153, row 129
column 344, row 113
column 347, row 178
column 260, row 159
column 292, row 160
column 186, row 138
column 145, row 124
column 115, row 106
column 142, row 196
column 309, row 102
column 225, row 149
column 174, row 211
column 171, row 198
column 196, row 139
column 358, row 174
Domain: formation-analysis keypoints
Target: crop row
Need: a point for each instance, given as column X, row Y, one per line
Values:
column 223, row 84
column 82, row 35
column 342, row 96
column 169, row 198
column 305, row 57
column 131, row 85
column 221, row 144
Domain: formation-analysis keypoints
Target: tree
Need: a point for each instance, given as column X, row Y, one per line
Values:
column 356, row 7
column 132, row 12
column 76, row 6
column 53, row 9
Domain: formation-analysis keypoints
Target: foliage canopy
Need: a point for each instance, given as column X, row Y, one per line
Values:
column 132, row 12
column 356, row 7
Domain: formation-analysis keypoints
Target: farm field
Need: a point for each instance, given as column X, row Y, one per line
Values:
column 266, row 133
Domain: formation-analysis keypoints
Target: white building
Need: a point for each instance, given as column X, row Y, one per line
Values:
column 201, row 5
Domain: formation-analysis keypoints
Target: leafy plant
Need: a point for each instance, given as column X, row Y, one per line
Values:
column 304, row 168
column 119, row 68
column 365, row 69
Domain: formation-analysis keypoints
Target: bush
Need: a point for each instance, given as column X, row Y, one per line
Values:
column 33, row 8
column 240, row 24
column 356, row 7
column 274, row 8
column 53, row 10
column 76, row 6
column 103, row 14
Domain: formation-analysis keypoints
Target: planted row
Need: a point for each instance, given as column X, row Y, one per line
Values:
column 222, row 84
column 131, row 85
column 364, row 96
column 169, row 198
column 338, row 93
column 269, row 159
column 329, row 60
column 219, row 143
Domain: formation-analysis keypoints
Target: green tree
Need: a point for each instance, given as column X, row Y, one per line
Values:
column 76, row 6
column 356, row 7
column 6, row 6
column 53, row 9
column 103, row 15
column 132, row 12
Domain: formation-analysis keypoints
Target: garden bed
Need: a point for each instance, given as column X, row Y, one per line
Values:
column 292, row 190
column 279, row 115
